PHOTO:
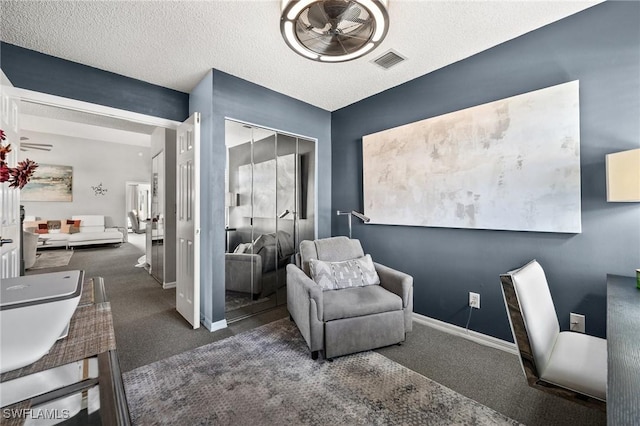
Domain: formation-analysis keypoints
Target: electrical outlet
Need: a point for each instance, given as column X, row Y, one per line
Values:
column 576, row 322
column 474, row 300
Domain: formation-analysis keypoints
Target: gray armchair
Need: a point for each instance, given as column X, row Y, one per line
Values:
column 258, row 267
column 347, row 320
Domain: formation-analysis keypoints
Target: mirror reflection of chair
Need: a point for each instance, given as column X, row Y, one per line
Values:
column 30, row 246
column 567, row 364
column 135, row 222
column 258, row 268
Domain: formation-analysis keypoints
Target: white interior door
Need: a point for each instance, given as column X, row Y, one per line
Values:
column 9, row 197
column 188, row 220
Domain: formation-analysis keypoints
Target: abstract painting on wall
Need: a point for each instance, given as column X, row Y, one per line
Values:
column 512, row 164
column 49, row 183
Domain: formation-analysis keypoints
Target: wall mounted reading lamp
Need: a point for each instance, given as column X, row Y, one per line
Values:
column 360, row 216
column 623, row 176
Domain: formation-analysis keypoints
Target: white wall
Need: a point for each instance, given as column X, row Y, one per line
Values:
column 93, row 162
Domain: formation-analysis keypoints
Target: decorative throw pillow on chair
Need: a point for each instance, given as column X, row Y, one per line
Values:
column 349, row 273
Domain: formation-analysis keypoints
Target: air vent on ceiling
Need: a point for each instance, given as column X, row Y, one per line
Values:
column 389, row 59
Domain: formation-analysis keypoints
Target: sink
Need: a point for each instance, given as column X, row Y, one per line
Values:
column 34, row 311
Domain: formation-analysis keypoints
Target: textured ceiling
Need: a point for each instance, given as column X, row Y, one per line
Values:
column 175, row 43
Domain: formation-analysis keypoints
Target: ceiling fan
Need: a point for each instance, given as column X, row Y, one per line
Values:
column 334, row 30
column 28, row 146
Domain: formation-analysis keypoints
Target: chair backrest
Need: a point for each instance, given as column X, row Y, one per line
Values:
column 334, row 249
column 133, row 218
column 90, row 223
column 30, row 246
column 532, row 315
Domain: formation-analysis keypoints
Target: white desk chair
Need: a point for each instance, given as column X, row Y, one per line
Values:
column 568, row 364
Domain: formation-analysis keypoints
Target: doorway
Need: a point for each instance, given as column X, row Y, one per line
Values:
column 137, row 214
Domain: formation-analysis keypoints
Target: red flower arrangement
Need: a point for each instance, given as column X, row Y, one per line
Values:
column 17, row 176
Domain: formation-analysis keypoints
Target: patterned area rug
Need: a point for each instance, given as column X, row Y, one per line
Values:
column 52, row 259
column 266, row 377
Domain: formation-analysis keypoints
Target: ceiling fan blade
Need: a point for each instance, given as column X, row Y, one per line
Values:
column 317, row 16
column 351, row 13
column 27, row 148
column 37, row 144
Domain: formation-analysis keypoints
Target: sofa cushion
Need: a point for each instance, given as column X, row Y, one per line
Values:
column 109, row 234
column 90, row 223
column 70, row 226
column 349, row 273
column 355, row 302
column 54, row 226
column 57, row 237
column 42, row 228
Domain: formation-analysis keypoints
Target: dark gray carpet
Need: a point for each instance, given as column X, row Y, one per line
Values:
column 265, row 377
column 487, row 375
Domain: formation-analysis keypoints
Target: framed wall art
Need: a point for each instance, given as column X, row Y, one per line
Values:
column 49, row 183
column 512, row 164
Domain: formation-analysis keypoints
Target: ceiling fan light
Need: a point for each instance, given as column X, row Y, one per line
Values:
column 333, row 30
column 295, row 7
column 293, row 41
column 376, row 9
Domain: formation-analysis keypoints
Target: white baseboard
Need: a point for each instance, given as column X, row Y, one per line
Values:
column 169, row 285
column 213, row 326
column 474, row 336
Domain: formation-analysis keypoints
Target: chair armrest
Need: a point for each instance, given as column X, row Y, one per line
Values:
column 297, row 278
column 396, row 282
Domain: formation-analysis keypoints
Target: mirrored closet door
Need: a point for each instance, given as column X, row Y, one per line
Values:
column 269, row 209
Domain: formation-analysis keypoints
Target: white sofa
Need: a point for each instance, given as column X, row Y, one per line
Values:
column 92, row 231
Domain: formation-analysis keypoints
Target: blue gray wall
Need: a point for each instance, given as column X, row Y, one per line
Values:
column 601, row 48
column 219, row 96
column 36, row 71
